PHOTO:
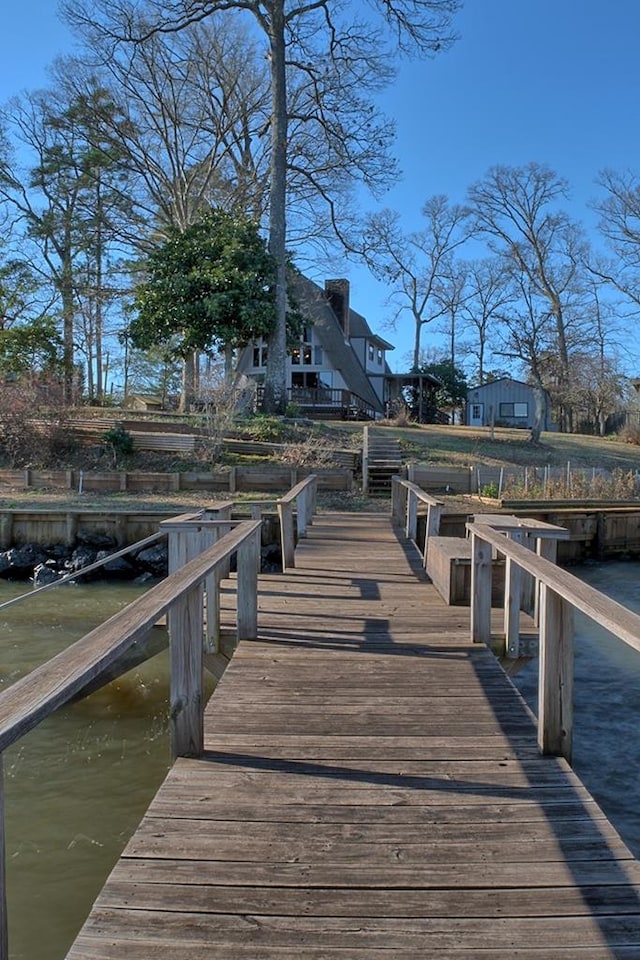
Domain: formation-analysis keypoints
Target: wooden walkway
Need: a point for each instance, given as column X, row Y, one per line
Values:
column 371, row 790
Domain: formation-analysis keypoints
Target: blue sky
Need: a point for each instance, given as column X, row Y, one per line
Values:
column 555, row 81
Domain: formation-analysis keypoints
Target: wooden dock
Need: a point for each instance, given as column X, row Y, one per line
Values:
column 371, row 789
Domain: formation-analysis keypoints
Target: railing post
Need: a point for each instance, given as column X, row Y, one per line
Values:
column 184, row 619
column 432, row 528
column 302, row 511
column 555, row 686
column 480, row 590
column 546, row 548
column 4, row 921
column 287, row 539
column 512, row 600
column 411, row 528
column 247, row 587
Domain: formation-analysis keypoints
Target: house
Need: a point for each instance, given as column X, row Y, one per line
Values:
column 338, row 366
column 506, row 403
column 142, row 401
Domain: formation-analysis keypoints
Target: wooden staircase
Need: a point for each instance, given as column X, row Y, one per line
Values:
column 381, row 460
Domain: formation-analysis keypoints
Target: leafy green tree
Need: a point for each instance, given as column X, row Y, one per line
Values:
column 31, row 348
column 209, row 288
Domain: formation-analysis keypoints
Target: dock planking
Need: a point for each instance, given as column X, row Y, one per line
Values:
column 371, row 789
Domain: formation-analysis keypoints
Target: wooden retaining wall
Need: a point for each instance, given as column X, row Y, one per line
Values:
column 47, row 527
column 258, row 478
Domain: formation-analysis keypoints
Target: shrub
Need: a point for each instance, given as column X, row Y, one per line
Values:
column 119, row 441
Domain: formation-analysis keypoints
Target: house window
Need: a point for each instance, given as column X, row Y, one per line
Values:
column 476, row 411
column 516, row 411
column 371, row 352
column 259, row 353
column 380, row 357
column 303, row 351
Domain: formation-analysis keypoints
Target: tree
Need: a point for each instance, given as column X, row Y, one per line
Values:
column 516, row 209
column 303, row 42
column 619, row 223
column 526, row 336
column 209, row 287
column 62, row 200
column 418, row 266
column 453, row 392
column 488, row 292
column 31, row 348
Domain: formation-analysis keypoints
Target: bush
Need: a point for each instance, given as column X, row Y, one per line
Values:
column 119, row 441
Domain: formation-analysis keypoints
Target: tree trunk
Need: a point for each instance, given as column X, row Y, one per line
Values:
column 68, row 315
column 538, row 413
column 275, row 384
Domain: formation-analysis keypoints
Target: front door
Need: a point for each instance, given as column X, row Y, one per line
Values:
column 476, row 415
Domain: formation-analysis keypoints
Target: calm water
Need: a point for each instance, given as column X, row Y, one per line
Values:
column 77, row 786
column 606, row 745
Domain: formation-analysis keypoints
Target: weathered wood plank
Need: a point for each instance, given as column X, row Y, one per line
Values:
column 371, row 788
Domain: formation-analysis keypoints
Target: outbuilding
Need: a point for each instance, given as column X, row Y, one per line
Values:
column 506, row 403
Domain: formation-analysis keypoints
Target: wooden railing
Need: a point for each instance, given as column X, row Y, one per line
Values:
column 405, row 497
column 304, row 496
column 560, row 593
column 33, row 698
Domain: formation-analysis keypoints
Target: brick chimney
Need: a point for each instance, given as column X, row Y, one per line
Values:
column 337, row 293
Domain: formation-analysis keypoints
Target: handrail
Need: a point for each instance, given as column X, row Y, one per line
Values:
column 304, row 495
column 560, row 594
column 405, row 496
column 34, row 697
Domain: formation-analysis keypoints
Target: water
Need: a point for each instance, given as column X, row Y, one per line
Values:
column 606, row 741
column 76, row 786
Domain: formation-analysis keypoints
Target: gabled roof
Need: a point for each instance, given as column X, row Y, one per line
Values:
column 315, row 305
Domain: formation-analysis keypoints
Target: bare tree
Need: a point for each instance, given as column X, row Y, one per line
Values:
column 321, row 34
column 416, row 266
column 488, row 294
column 516, row 208
column 526, row 337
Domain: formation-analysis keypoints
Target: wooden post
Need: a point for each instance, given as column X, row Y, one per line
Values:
column 480, row 590
column 4, row 921
column 432, row 528
column 411, row 528
column 184, row 619
column 548, row 550
column 247, row 586
column 512, row 599
column 287, row 541
column 302, row 510
column 6, row 530
column 555, row 686
column 71, row 525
